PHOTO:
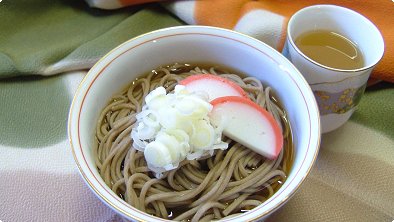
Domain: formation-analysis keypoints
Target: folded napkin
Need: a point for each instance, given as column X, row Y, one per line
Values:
column 267, row 20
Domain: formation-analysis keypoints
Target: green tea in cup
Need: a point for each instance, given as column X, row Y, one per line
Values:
column 330, row 49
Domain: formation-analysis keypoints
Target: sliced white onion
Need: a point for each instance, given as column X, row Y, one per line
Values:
column 171, row 144
column 158, row 103
column 175, row 126
column 168, row 117
column 220, row 145
column 157, row 154
column 203, row 136
column 138, row 144
column 144, row 132
column 186, row 107
column 195, row 155
column 160, row 91
column 180, row 89
column 151, row 119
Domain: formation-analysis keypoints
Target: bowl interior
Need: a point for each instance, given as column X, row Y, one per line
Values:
column 194, row 45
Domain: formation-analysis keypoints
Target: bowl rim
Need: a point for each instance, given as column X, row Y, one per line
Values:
column 187, row 29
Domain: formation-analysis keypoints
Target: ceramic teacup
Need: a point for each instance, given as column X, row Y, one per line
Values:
column 337, row 91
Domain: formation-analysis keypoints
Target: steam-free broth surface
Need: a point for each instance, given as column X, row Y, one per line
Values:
column 330, row 49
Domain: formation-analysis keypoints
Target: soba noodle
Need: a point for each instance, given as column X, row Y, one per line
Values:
column 228, row 183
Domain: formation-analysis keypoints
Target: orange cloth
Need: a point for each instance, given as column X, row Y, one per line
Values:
column 380, row 12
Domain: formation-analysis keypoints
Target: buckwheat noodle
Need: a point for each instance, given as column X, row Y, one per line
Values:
column 230, row 182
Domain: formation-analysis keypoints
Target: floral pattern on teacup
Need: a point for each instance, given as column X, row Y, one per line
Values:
column 338, row 102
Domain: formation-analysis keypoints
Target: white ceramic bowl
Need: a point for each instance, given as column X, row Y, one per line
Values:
column 194, row 44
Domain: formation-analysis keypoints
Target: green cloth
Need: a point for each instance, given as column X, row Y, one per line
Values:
column 52, row 36
column 376, row 109
column 34, row 111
